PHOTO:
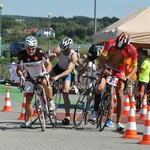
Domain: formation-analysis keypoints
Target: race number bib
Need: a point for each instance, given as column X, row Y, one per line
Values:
column 112, row 80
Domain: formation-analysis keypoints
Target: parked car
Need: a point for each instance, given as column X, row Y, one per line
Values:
column 15, row 48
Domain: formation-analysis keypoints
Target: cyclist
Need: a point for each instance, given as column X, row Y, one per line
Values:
column 115, row 53
column 67, row 59
column 35, row 62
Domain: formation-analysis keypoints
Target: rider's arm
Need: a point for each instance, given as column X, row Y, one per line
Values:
column 19, row 70
column 102, row 65
column 48, row 66
column 55, row 53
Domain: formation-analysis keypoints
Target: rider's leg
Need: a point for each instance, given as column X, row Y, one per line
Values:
column 66, row 86
column 109, row 122
column 98, row 91
column 120, row 98
column 49, row 94
column 28, row 107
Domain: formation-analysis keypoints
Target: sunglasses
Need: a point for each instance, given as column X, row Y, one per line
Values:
column 31, row 48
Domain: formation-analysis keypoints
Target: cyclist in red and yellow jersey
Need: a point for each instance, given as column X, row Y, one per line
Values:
column 116, row 52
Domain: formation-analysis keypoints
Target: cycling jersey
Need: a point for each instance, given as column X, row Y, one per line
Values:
column 34, row 65
column 62, row 65
column 129, row 51
column 63, row 60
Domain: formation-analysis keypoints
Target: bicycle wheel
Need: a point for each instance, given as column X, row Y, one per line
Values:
column 57, row 97
column 39, row 104
column 80, row 109
column 104, row 110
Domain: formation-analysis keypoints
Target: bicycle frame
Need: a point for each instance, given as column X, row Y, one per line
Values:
column 105, row 103
column 82, row 109
column 41, row 104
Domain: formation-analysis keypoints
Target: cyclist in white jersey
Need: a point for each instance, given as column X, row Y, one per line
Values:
column 67, row 58
column 33, row 60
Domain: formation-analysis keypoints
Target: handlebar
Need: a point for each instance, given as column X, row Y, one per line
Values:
column 35, row 80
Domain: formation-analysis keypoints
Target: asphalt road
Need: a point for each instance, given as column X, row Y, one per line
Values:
column 86, row 137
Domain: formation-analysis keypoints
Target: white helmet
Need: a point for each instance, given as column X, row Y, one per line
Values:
column 30, row 41
column 66, row 44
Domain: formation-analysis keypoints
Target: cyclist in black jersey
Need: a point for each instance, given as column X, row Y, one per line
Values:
column 35, row 62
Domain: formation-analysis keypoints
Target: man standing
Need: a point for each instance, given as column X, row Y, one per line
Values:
column 67, row 59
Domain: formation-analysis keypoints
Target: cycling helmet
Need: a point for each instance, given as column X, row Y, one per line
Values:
column 30, row 41
column 66, row 44
column 93, row 52
column 122, row 40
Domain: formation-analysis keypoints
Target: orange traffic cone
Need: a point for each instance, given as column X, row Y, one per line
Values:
column 131, row 132
column 22, row 114
column 7, row 107
column 115, row 102
column 126, row 107
column 146, row 134
column 35, row 114
column 144, row 108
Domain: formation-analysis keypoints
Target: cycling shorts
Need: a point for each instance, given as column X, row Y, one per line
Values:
column 29, row 87
column 57, row 70
column 115, row 72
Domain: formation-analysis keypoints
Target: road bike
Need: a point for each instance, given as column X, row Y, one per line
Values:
column 105, row 102
column 41, row 104
column 84, row 104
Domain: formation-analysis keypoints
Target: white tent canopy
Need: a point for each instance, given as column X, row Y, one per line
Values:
column 136, row 24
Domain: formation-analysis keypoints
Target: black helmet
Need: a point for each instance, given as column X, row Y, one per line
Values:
column 122, row 40
column 93, row 52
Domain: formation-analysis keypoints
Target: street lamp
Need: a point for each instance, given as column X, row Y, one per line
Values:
column 1, row 6
column 95, row 20
column 49, row 16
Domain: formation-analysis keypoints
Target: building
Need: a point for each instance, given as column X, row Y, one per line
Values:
column 43, row 31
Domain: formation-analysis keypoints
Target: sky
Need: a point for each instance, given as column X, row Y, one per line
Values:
column 71, row 8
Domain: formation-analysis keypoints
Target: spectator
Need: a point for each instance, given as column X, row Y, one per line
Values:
column 144, row 73
column 131, row 83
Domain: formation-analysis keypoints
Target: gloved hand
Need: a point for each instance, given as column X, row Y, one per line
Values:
column 22, row 78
